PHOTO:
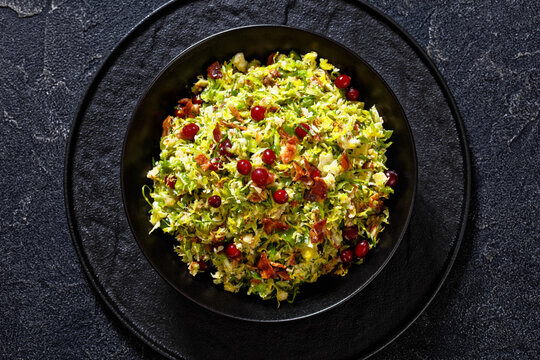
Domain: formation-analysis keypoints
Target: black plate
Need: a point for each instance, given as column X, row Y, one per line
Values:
column 142, row 145
column 175, row 326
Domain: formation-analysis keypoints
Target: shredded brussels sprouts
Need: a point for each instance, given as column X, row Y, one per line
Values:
column 332, row 172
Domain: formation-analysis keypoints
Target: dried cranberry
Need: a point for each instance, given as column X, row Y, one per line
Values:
column 257, row 113
column 232, row 251
column 216, row 164
column 189, row 131
column 281, row 196
column 352, row 94
column 202, row 265
column 343, row 81
column 350, row 233
column 361, row 249
column 259, row 176
column 243, row 167
column 392, row 178
column 268, row 156
column 224, row 148
column 214, row 201
column 302, row 130
column 346, row 255
column 170, row 181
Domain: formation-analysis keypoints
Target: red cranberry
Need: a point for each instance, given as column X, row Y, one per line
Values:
column 281, row 196
column 392, row 178
column 189, row 131
column 346, row 255
column 202, row 265
column 224, row 148
column 343, row 81
column 170, row 181
column 350, row 233
column 243, row 167
column 232, row 251
column 197, row 99
column 214, row 201
column 361, row 249
column 301, row 130
column 268, row 156
column 352, row 94
column 257, row 113
column 216, row 164
column 259, row 176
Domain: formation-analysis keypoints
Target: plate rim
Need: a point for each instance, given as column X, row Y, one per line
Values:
column 100, row 72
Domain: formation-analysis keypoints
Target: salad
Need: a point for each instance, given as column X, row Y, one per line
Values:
column 271, row 176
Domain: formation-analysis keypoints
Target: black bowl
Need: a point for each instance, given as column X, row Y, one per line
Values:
column 142, row 144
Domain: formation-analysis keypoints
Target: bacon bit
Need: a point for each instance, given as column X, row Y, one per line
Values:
column 186, row 110
column 317, row 138
column 273, row 108
column 220, row 183
column 312, row 170
column 166, row 126
column 294, row 203
column 266, row 269
column 287, row 153
column 217, row 133
column 235, row 112
column 284, row 275
column 301, row 175
column 268, row 81
column 318, row 192
column 318, row 231
column 214, row 71
column 270, row 225
column 368, row 164
column 277, row 265
column 375, row 203
column 356, row 127
column 255, row 281
column 233, row 126
column 344, row 161
column 275, row 73
column 292, row 260
column 270, row 59
column 257, row 197
column 203, row 162
column 286, row 136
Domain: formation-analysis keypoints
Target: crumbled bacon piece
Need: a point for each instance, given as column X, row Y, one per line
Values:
column 268, row 81
column 217, row 133
column 257, row 197
column 318, row 192
column 233, row 126
column 284, row 275
column 375, row 203
column 275, row 73
column 186, row 109
column 287, row 153
column 312, row 170
column 344, row 161
column 214, row 71
column 270, row 225
column 265, row 268
column 369, row 165
column 292, row 260
column 203, row 162
column 166, row 126
column 235, row 112
column 290, row 139
column 301, row 175
column 318, row 231
column 294, row 203
column 255, row 281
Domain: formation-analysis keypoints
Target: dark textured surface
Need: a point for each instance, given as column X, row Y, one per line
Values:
column 489, row 56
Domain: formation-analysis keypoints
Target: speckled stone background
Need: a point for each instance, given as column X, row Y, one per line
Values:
column 489, row 54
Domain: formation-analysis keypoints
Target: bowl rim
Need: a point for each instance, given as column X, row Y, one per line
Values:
column 414, row 174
